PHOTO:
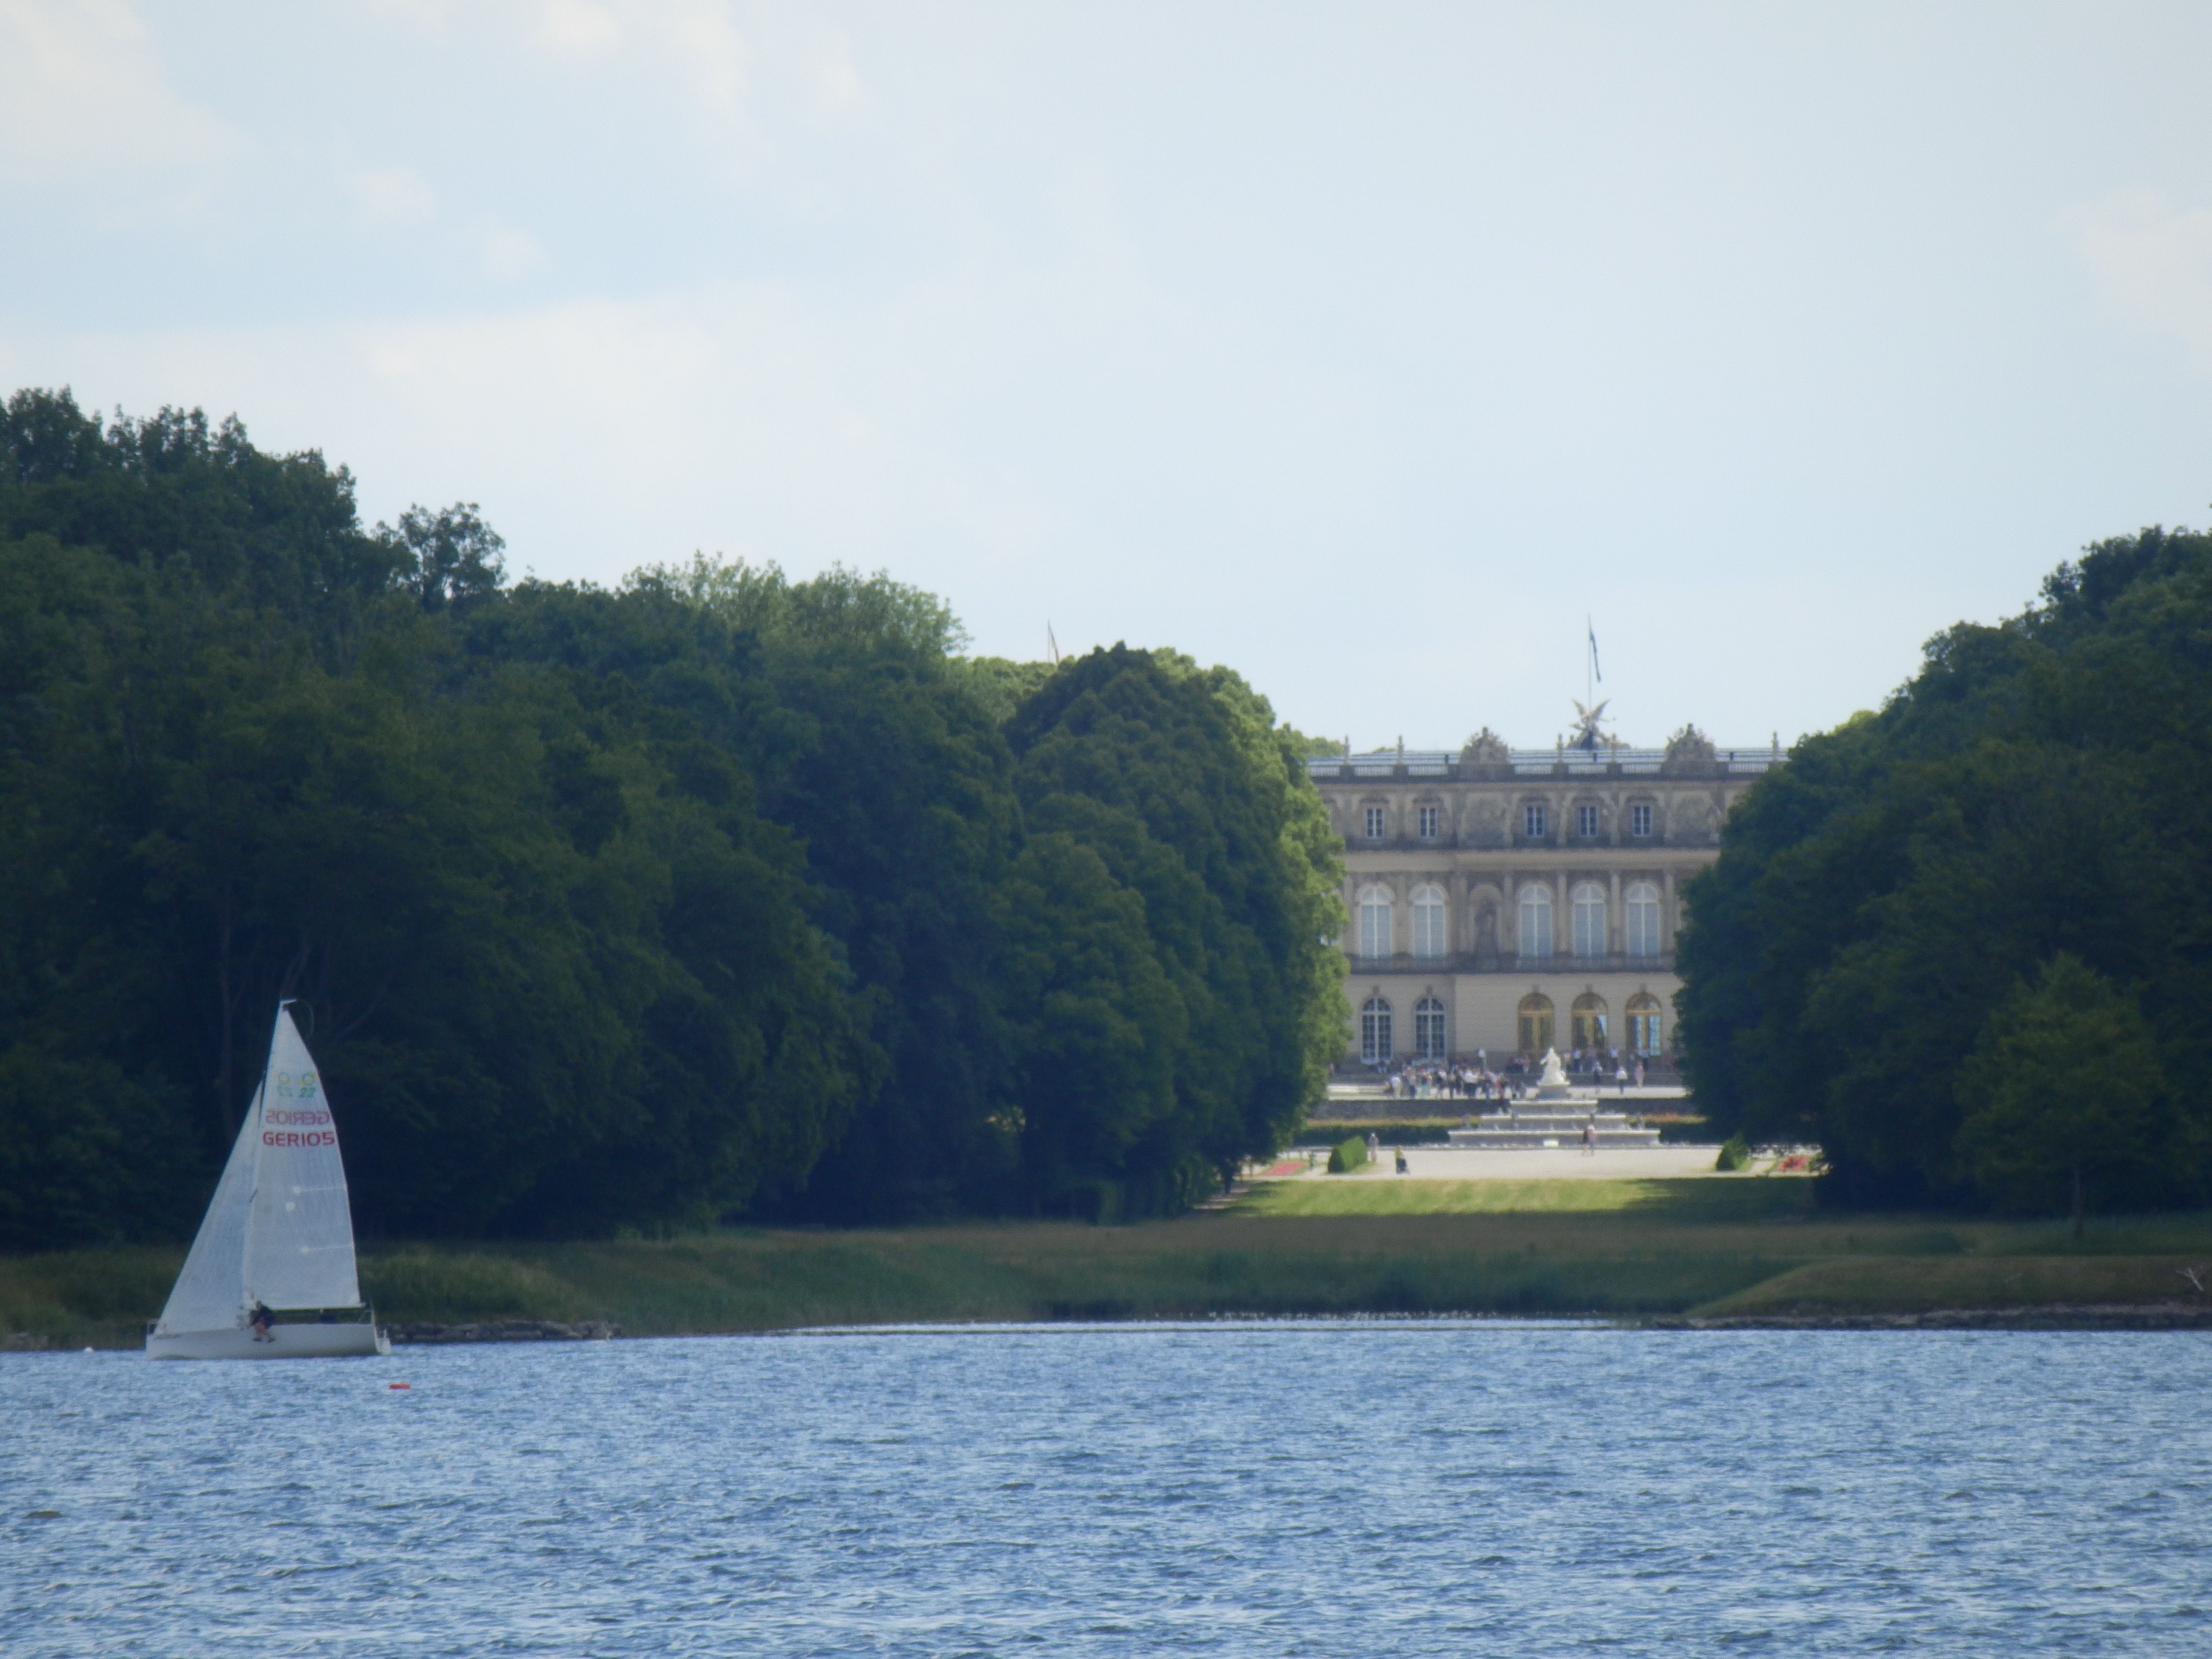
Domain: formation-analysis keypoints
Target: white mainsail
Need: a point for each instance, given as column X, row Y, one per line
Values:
column 280, row 1229
column 299, row 1233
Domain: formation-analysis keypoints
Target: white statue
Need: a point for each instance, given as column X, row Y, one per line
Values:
column 1552, row 1085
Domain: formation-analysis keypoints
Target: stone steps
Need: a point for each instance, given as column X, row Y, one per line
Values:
column 1551, row 1125
column 1495, row 1140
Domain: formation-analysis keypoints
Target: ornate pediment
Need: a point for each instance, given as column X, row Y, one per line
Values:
column 1485, row 748
column 1689, row 751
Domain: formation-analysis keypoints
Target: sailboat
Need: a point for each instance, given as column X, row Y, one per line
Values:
column 277, row 1240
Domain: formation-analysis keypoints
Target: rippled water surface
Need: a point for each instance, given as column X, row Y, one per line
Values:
column 1362, row 1489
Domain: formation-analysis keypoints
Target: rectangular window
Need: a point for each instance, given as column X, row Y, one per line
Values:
column 1586, row 823
column 1375, row 1033
column 1428, row 924
column 1374, row 824
column 1375, row 925
column 1428, row 821
column 1590, row 921
column 1639, row 818
column 1535, row 924
column 1534, row 820
column 1642, row 923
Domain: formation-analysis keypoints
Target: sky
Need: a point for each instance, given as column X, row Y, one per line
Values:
column 1379, row 352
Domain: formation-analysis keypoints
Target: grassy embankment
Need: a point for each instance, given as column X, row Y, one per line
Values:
column 1627, row 1247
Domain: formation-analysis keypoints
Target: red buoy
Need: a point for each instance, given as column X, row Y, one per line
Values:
column 400, row 1385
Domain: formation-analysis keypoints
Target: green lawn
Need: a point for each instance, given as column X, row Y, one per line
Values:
column 1703, row 1198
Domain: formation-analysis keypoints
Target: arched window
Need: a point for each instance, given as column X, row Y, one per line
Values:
column 1590, row 1022
column 1374, row 1031
column 1428, row 921
column 1589, row 920
column 1535, row 1023
column 1535, row 923
column 1642, row 920
column 1644, row 1036
column 1374, row 921
column 1429, row 1029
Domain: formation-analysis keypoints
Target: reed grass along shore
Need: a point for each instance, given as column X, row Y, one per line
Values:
column 1713, row 1249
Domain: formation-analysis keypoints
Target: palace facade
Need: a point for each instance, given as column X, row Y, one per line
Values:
column 1510, row 901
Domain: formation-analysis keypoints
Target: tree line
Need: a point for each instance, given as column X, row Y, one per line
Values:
column 718, row 895
column 1964, row 942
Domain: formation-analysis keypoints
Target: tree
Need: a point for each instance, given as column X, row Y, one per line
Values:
column 1098, row 1028
column 1180, row 783
column 2062, row 1096
column 2041, row 787
column 721, row 894
column 844, row 704
column 558, row 967
column 1000, row 684
column 1317, row 748
column 447, row 558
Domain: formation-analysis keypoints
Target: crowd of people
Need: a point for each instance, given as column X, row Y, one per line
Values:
column 1472, row 1079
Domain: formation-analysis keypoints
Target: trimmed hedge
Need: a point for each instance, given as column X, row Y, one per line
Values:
column 1347, row 1155
column 1172, row 1191
column 1735, row 1153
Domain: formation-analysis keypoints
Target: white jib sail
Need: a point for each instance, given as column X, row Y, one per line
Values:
column 280, row 1229
column 209, row 1294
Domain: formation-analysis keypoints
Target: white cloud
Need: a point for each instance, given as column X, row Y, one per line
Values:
column 393, row 196
column 426, row 16
column 578, row 28
column 602, row 435
column 696, row 43
column 508, row 253
column 2154, row 261
column 704, row 39
column 837, row 81
column 82, row 91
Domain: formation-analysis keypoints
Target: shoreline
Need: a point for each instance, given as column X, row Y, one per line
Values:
column 2054, row 1316
column 1732, row 1253
column 2116, row 1319
column 2109, row 1317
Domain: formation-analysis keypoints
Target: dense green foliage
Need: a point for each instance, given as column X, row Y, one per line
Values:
column 1891, row 902
column 2062, row 1094
column 719, row 894
column 1347, row 1155
column 1174, row 826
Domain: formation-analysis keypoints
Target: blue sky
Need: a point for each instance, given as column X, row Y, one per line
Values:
column 1365, row 348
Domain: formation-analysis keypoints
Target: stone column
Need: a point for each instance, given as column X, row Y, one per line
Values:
column 1616, row 939
column 1667, row 913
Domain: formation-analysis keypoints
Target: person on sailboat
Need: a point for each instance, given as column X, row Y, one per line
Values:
column 262, row 1320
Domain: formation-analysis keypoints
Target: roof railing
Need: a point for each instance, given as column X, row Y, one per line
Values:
column 1533, row 762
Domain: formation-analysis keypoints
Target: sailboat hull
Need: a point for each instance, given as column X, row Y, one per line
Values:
column 287, row 1342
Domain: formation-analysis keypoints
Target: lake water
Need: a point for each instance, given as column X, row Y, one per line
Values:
column 1364, row 1488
